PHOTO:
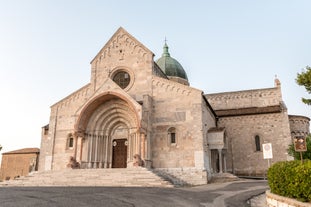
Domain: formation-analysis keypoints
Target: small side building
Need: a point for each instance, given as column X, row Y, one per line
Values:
column 19, row 163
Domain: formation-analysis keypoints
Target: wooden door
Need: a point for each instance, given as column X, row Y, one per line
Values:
column 119, row 153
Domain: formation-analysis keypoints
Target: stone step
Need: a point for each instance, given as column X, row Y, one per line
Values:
column 129, row 177
column 223, row 177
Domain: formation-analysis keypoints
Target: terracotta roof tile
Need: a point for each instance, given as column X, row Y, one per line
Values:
column 23, row 151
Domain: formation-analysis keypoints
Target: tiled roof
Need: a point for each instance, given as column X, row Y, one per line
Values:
column 23, row 151
column 248, row 111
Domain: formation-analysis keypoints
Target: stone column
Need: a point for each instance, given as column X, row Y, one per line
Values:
column 84, row 150
column 132, row 146
column 78, row 154
column 143, row 146
column 110, row 152
column 90, row 146
column 225, row 163
column 220, row 160
column 106, row 151
column 96, row 139
column 100, row 153
column 75, row 138
column 138, row 143
column 135, row 143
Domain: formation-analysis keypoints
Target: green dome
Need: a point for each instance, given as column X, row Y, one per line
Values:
column 170, row 66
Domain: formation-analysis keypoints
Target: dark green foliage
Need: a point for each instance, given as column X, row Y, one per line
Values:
column 291, row 179
column 304, row 79
column 305, row 155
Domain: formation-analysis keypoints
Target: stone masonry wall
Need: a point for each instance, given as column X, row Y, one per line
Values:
column 299, row 125
column 243, row 159
column 62, row 120
column 274, row 200
column 184, row 112
column 16, row 165
column 245, row 99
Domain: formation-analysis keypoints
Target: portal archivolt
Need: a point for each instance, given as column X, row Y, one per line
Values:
column 111, row 136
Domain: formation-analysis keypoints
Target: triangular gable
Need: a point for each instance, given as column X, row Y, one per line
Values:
column 121, row 33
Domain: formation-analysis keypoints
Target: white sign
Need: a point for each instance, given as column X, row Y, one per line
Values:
column 267, row 151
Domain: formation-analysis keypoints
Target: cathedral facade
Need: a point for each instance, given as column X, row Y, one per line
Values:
column 139, row 112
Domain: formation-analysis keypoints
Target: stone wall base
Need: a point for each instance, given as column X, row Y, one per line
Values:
column 274, row 200
column 183, row 176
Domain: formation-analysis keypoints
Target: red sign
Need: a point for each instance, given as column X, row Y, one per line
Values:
column 300, row 144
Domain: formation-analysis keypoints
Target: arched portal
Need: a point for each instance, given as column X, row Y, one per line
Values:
column 109, row 128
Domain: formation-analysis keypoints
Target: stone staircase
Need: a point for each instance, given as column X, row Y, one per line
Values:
column 223, row 178
column 121, row 177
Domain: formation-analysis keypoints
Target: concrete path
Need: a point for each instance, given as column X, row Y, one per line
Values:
column 219, row 195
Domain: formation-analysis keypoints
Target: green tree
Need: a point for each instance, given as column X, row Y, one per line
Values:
column 305, row 155
column 304, row 79
column 0, row 147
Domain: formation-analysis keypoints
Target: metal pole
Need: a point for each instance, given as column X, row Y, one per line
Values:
column 301, row 157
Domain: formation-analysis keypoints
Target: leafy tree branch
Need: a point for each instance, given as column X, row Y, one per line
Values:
column 304, row 79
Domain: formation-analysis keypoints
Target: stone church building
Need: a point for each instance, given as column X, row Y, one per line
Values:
column 138, row 111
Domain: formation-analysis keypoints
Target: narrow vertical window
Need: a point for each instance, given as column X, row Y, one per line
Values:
column 172, row 135
column 257, row 143
column 173, row 138
column 70, row 144
column 70, row 141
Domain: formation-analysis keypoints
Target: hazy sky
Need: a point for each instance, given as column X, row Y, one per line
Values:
column 224, row 45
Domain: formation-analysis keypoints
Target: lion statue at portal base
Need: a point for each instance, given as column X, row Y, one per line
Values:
column 138, row 162
column 73, row 164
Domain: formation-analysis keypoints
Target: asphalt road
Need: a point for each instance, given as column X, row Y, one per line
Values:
column 233, row 194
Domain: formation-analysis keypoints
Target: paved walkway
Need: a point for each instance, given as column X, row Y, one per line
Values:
column 233, row 194
column 237, row 194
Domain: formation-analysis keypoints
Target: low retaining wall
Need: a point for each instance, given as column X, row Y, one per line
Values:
column 274, row 200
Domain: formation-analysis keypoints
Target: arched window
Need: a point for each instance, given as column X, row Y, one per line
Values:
column 257, row 143
column 172, row 135
column 70, row 141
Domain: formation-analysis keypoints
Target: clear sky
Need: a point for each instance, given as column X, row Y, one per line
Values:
column 224, row 45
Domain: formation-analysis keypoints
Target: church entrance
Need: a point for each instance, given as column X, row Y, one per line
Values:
column 215, row 160
column 218, row 160
column 109, row 134
column 119, row 153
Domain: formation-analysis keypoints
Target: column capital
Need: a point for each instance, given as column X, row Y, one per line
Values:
column 79, row 134
column 142, row 131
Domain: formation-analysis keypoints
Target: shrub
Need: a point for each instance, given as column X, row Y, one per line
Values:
column 291, row 179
